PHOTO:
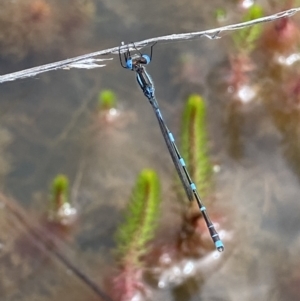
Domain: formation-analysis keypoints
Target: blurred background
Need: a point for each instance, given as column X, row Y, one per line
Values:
column 51, row 124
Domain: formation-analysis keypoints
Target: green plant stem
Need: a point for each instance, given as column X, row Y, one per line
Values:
column 140, row 218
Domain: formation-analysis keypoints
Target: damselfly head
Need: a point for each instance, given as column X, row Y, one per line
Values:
column 135, row 61
column 145, row 59
column 129, row 64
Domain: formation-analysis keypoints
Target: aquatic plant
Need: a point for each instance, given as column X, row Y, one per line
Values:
column 106, row 100
column 220, row 14
column 60, row 210
column 60, row 191
column 245, row 39
column 140, row 218
column 194, row 142
column 107, row 111
column 241, row 64
column 282, row 36
column 134, row 234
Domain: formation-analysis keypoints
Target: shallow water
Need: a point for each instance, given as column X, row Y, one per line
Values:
column 49, row 125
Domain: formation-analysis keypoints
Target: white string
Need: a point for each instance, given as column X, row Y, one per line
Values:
column 89, row 61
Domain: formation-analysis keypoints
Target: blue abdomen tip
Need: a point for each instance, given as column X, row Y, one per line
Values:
column 219, row 245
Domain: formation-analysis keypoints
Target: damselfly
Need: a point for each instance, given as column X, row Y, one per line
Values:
column 136, row 63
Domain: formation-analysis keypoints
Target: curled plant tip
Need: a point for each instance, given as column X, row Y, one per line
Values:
column 140, row 218
column 194, row 143
column 107, row 105
column 61, row 211
column 246, row 38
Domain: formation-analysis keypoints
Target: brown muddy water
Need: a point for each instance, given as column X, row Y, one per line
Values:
column 50, row 125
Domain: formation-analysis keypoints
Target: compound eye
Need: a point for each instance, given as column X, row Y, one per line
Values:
column 129, row 64
column 147, row 59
